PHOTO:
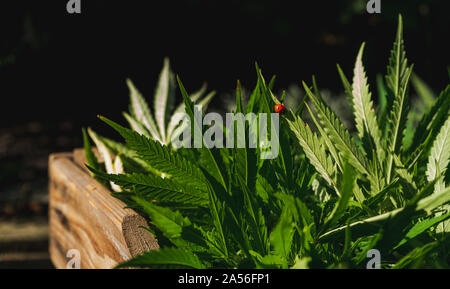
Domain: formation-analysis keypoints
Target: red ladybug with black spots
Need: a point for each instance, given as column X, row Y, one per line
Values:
column 279, row 108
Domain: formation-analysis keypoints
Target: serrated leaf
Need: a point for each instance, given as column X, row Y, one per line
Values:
column 314, row 150
column 128, row 157
column 217, row 213
column 365, row 117
column 439, row 155
column 136, row 125
column 139, row 109
column 156, row 188
column 421, row 227
column 371, row 225
column 341, row 137
column 397, row 67
column 107, row 155
column 161, row 157
column 397, row 78
column 328, row 142
column 164, row 98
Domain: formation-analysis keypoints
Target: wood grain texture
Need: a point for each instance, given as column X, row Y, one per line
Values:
column 84, row 216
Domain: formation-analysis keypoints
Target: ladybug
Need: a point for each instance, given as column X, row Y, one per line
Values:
column 279, row 108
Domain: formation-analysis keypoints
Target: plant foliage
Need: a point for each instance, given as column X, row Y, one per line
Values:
column 329, row 197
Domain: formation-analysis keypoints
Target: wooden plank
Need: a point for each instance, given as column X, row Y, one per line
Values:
column 84, row 216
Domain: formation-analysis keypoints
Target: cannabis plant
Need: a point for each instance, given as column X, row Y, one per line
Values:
column 163, row 127
column 329, row 198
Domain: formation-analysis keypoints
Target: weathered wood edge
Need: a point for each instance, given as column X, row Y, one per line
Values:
column 84, row 216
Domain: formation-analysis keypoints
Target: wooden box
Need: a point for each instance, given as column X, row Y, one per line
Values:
column 84, row 216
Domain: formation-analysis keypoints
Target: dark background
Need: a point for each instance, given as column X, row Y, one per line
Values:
column 57, row 66
column 58, row 71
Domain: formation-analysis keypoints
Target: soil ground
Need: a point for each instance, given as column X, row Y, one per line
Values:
column 24, row 151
